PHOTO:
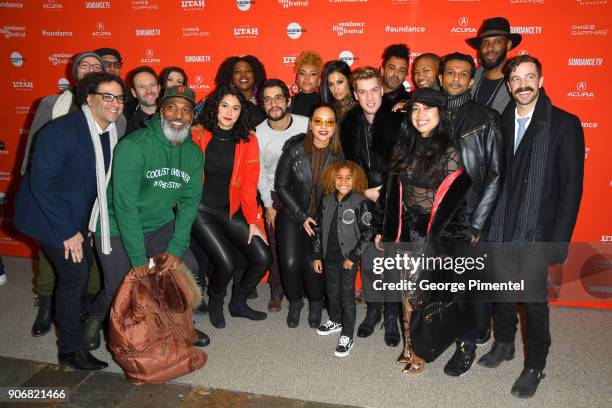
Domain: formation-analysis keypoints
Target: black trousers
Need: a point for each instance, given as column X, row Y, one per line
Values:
column 218, row 236
column 117, row 264
column 340, row 287
column 72, row 278
column 294, row 251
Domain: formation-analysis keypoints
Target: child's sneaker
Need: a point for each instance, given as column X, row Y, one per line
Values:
column 329, row 327
column 345, row 344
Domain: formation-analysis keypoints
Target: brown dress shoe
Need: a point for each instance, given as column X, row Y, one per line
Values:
column 274, row 305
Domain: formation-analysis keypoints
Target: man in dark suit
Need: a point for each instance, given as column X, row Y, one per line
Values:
column 538, row 206
column 53, row 206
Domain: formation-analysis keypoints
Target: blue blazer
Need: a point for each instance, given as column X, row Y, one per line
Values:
column 57, row 194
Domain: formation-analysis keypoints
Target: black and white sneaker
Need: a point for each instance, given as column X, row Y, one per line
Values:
column 345, row 344
column 329, row 327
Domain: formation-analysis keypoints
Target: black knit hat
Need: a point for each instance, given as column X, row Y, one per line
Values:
column 493, row 27
column 429, row 97
column 108, row 51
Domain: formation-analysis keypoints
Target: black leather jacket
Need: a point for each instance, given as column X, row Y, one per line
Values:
column 476, row 131
column 293, row 178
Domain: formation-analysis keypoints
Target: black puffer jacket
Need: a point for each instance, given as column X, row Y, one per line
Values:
column 476, row 131
column 293, row 178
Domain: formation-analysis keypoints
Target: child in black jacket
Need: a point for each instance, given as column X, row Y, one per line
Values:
column 343, row 229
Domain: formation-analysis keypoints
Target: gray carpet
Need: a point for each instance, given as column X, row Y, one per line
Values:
column 268, row 358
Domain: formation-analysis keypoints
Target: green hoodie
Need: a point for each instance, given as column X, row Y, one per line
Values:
column 150, row 177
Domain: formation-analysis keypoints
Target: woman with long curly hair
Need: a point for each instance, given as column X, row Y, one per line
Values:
column 246, row 74
column 423, row 160
column 297, row 183
column 336, row 87
column 229, row 216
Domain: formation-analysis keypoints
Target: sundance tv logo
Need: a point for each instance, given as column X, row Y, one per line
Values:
column 195, row 31
column 291, row 3
column 588, row 30
column 585, row 62
column 347, row 57
column 100, row 32
column 246, row 31
column 52, row 5
column 13, row 31
column 97, row 4
column 349, row 28
column 23, row 85
column 8, row 4
column 197, row 58
column 144, row 5
column 148, row 32
column 60, row 58
column 294, row 31
column 526, row 30
column 193, row 5
column 199, row 84
column 581, row 92
column 150, row 57
column 463, row 28
column 16, row 59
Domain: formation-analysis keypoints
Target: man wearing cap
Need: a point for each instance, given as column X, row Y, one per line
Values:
column 493, row 43
column 52, row 107
column 155, row 169
column 111, row 60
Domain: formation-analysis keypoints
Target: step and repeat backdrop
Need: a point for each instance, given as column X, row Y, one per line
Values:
column 38, row 39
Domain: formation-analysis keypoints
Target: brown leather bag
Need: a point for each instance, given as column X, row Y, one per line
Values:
column 151, row 328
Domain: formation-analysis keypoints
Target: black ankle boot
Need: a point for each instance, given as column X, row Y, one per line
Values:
column 202, row 339
column 91, row 334
column 42, row 323
column 462, row 360
column 392, row 333
column 315, row 313
column 293, row 317
column 81, row 360
column 500, row 352
column 239, row 308
column 373, row 316
column 215, row 311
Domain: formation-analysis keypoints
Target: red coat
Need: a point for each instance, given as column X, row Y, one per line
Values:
column 245, row 175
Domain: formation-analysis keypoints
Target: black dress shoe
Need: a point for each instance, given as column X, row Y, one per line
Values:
column 293, row 316
column 202, row 339
column 81, row 360
column 392, row 333
column 527, row 384
column 462, row 360
column 42, row 323
column 366, row 328
column 484, row 336
column 500, row 352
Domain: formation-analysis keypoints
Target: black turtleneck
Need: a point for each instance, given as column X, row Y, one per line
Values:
column 218, row 167
column 454, row 103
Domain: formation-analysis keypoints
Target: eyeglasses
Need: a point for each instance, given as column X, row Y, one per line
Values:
column 108, row 64
column 327, row 122
column 109, row 97
column 88, row 66
column 276, row 98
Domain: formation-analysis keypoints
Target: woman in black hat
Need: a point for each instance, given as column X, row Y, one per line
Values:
column 425, row 175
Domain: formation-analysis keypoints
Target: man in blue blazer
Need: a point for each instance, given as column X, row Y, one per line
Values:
column 55, row 200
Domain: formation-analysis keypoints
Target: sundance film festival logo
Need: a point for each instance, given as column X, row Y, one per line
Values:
column 195, row 31
column 526, row 1
column 413, row 55
column 22, row 110
column 404, row 29
column 97, row 4
column 16, row 59
column 198, row 84
column 590, row 125
column 197, row 58
column 588, row 30
column 144, row 5
column 244, row 5
column 13, row 31
column 585, row 62
column 246, row 31
column 294, row 31
column 52, row 5
column 348, row 1
column 6, row 176
column 100, row 32
column 349, row 28
column 581, row 92
column 347, row 57
column 193, row 5
column 150, row 58
column 148, row 32
column 291, row 3
column 463, row 27
column 60, row 58
column 8, row 4
column 23, row 85
column 526, row 30
column 63, row 84
column 591, row 2
column 58, row 33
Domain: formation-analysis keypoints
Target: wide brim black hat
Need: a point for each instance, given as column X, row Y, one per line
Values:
column 493, row 27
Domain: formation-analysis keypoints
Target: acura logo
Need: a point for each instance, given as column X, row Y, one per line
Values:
column 463, row 21
column 581, row 86
column 149, row 53
column 100, row 26
column 198, row 79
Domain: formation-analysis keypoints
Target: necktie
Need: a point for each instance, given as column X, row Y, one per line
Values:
column 521, row 131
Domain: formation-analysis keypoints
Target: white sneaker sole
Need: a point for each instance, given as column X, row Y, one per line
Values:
column 2, row 279
column 328, row 332
column 346, row 353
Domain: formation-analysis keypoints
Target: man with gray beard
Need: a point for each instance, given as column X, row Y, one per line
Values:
column 155, row 169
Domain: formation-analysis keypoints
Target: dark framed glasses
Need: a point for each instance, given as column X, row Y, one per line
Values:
column 109, row 97
column 109, row 64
